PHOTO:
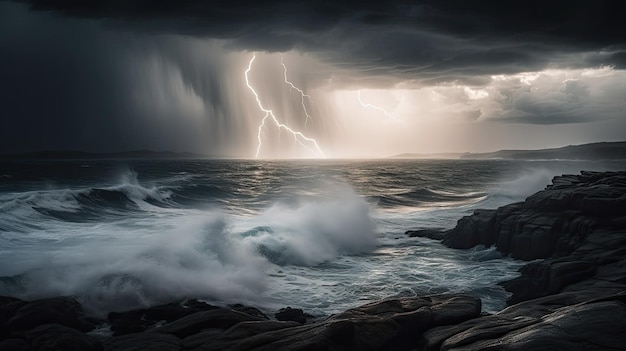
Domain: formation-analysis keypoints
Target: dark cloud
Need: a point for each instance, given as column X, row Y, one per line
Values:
column 435, row 40
column 69, row 84
column 107, row 75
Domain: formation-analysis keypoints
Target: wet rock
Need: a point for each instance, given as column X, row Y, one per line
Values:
column 65, row 311
column 128, row 322
column 143, row 341
column 215, row 341
column 472, row 230
column 59, row 337
column 592, row 325
column 249, row 310
column 386, row 325
column 547, row 277
column 173, row 311
column 136, row 321
column 8, row 307
column 574, row 225
column 552, row 222
column 220, row 318
column 292, row 314
column 435, row 234
column 14, row 344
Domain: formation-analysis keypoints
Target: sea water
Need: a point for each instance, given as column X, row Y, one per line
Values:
column 321, row 235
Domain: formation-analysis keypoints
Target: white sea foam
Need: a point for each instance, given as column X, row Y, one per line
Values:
column 283, row 236
column 314, row 232
column 133, row 268
column 122, row 265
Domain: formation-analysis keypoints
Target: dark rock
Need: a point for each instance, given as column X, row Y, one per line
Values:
column 128, row 322
column 249, row 310
column 59, row 310
column 220, row 318
column 472, row 230
column 291, row 314
column 211, row 340
column 475, row 329
column 136, row 321
column 592, row 325
column 8, row 307
column 574, row 225
column 547, row 277
column 551, row 222
column 143, row 341
column 14, row 345
column 173, row 311
column 435, row 234
column 59, row 337
column 573, row 299
column 385, row 325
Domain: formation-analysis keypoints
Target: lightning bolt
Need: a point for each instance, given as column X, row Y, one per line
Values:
column 366, row 105
column 298, row 136
column 302, row 94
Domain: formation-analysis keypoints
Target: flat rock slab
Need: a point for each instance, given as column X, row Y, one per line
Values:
column 59, row 310
column 598, row 324
column 229, row 339
column 221, row 318
column 387, row 325
column 59, row 337
column 143, row 341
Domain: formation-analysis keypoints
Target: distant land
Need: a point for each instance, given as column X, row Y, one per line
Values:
column 82, row 155
column 593, row 151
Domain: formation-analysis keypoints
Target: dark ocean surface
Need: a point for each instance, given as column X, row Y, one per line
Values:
column 319, row 235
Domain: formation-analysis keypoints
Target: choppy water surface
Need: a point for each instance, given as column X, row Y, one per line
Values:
column 319, row 235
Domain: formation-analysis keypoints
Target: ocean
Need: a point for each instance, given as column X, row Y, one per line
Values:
column 321, row 235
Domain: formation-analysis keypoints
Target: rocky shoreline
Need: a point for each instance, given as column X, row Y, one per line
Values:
column 571, row 295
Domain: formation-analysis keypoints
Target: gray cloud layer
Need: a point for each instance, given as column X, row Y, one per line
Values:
column 116, row 75
column 432, row 41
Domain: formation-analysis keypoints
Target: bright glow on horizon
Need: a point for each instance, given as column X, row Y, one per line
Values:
column 529, row 110
column 506, row 112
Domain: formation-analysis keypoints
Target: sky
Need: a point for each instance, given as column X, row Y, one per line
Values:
column 307, row 79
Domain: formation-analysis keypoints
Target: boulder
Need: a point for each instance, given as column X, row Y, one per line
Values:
column 575, row 225
column 8, row 307
column 552, row 222
column 14, row 344
column 291, row 314
column 58, row 337
column 215, row 341
column 596, row 324
column 386, row 325
column 220, row 318
column 253, row 311
column 143, row 341
column 136, row 321
column 65, row 311
column 430, row 233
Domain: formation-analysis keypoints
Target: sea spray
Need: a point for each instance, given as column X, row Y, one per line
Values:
column 309, row 234
column 314, row 232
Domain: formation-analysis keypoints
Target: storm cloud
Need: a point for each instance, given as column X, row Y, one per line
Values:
column 167, row 75
column 429, row 40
